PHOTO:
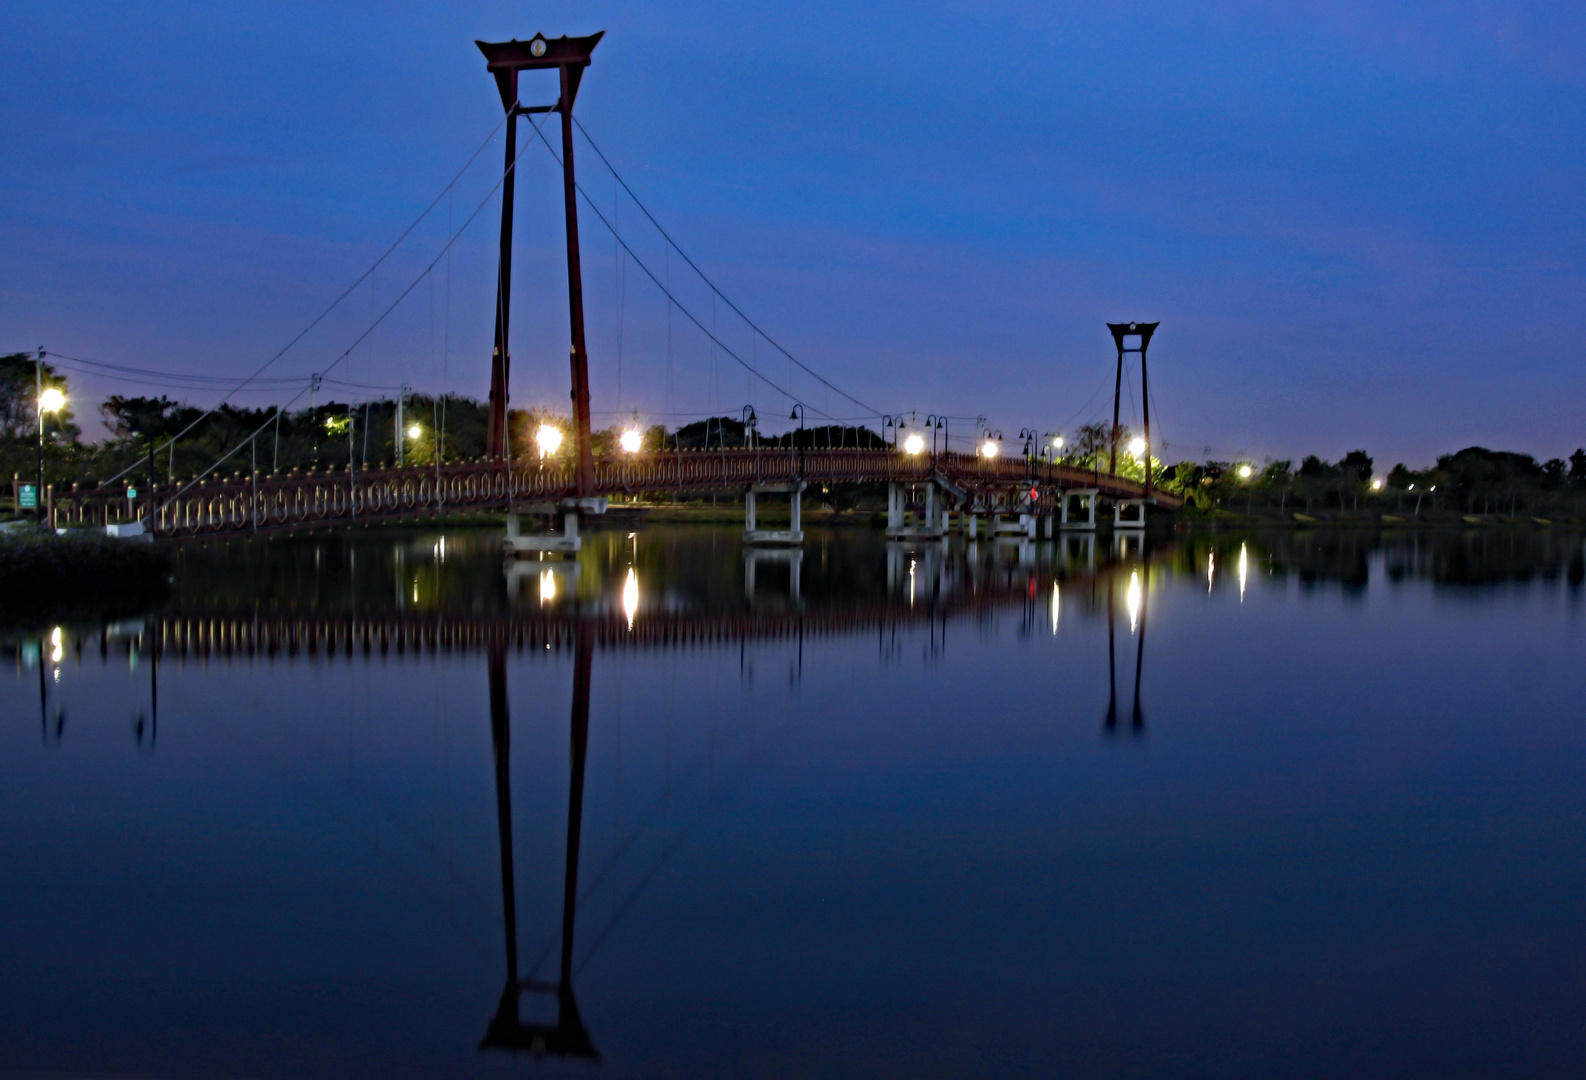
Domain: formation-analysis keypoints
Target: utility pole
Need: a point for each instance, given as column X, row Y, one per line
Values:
column 401, row 431
column 38, row 401
column 313, row 416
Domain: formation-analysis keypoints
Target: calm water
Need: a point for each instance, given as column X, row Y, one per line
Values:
column 876, row 819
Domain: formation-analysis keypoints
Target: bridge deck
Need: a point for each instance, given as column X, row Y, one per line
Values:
column 241, row 503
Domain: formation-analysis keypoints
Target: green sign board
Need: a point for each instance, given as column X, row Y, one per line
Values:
column 132, row 493
column 27, row 497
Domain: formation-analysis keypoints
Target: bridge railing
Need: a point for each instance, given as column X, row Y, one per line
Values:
column 281, row 501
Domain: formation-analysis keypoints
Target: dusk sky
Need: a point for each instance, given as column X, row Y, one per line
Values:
column 1360, row 225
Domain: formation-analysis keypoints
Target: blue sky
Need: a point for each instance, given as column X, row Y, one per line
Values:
column 1360, row 225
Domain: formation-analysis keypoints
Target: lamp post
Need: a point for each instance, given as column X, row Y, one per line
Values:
column 750, row 423
column 798, row 414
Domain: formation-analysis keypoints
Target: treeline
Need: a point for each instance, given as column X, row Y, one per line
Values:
column 1475, row 480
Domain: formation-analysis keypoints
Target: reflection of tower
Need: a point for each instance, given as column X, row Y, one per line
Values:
column 566, row 1036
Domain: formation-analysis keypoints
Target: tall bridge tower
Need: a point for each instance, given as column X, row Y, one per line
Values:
column 570, row 56
column 1141, row 331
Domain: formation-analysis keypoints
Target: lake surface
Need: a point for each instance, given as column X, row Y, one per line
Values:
column 1307, row 804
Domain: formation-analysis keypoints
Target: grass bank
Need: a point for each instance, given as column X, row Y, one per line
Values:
column 80, row 577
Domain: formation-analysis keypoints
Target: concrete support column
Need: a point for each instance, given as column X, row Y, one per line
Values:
column 748, row 510
column 798, row 503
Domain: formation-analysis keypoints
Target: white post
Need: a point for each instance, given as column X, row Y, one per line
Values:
column 748, row 511
column 798, row 503
column 399, row 432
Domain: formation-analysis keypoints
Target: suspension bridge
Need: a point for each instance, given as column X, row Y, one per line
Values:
column 929, row 493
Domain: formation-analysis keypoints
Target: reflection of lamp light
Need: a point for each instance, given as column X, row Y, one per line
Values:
column 1136, row 447
column 1211, row 569
column 630, row 596
column 547, row 587
column 1054, row 609
column 547, row 439
column 1132, row 598
column 57, row 650
column 631, row 440
column 1244, row 571
column 913, row 444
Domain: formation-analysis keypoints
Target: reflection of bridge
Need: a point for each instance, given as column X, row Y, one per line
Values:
column 245, row 504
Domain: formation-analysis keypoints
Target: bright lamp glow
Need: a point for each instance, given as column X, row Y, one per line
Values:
column 630, row 440
column 1057, row 443
column 547, row 439
column 913, row 444
column 415, row 431
column 1136, row 447
column 51, row 400
column 988, row 449
column 1376, row 485
column 1245, row 471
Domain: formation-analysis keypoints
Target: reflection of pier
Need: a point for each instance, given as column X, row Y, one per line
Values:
column 565, row 1036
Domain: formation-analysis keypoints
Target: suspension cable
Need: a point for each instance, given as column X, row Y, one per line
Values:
column 706, row 279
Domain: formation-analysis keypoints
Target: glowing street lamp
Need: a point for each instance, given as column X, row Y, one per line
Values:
column 50, row 401
column 630, row 440
column 1376, row 485
column 1245, row 472
column 547, row 439
column 914, row 443
column 989, row 449
column 415, row 431
column 1137, row 448
column 1057, row 442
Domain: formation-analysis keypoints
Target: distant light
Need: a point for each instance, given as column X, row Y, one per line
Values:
column 1057, row 443
column 547, row 439
column 1376, row 485
column 1245, row 471
column 1136, row 447
column 913, row 444
column 52, row 400
column 988, row 449
column 631, row 440
column 1434, row 487
column 1411, row 488
column 415, row 431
